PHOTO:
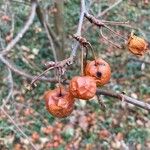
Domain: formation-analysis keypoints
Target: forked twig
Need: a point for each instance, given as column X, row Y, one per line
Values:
column 10, row 86
column 104, row 37
column 23, row 30
column 138, row 103
column 109, row 8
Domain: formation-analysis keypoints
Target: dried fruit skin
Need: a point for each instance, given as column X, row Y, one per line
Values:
column 59, row 104
column 137, row 45
column 100, row 70
column 83, row 87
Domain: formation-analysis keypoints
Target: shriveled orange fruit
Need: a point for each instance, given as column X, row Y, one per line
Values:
column 100, row 70
column 59, row 102
column 137, row 45
column 83, row 87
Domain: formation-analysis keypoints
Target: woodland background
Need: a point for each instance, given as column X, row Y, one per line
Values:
column 120, row 125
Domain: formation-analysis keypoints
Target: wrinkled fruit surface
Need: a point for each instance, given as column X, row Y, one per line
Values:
column 83, row 87
column 100, row 70
column 137, row 45
column 59, row 102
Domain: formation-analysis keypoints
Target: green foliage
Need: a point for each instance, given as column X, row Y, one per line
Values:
column 138, row 135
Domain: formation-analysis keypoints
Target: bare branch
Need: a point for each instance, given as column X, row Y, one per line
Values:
column 23, row 30
column 60, row 65
column 105, row 38
column 123, row 97
column 50, row 34
column 22, row 73
column 115, row 23
column 78, row 33
column 109, row 8
column 83, row 10
column 51, row 42
column 10, row 87
column 111, row 30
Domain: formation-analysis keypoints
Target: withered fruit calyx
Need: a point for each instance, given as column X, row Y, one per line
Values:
column 137, row 45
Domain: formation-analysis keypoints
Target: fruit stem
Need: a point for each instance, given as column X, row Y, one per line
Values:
column 60, row 90
column 92, row 50
column 59, row 81
column 37, row 77
column 82, row 65
column 114, row 32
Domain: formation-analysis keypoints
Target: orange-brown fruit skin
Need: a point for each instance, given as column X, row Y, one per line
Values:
column 137, row 45
column 82, row 87
column 100, row 70
column 59, row 105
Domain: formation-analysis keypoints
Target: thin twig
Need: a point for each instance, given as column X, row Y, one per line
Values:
column 82, row 57
column 18, row 128
column 21, row 2
column 10, row 87
column 51, row 36
column 119, row 35
column 42, row 19
column 101, row 24
column 21, row 72
column 60, row 65
column 115, row 23
column 109, row 8
column 12, row 25
column 39, row 76
column 105, row 38
column 78, row 33
column 51, row 41
column 123, row 97
column 83, row 10
column 1, row 43
column 23, row 30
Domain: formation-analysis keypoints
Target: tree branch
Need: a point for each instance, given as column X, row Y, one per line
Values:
column 40, row 15
column 51, row 41
column 123, row 97
column 78, row 33
column 23, row 31
column 22, row 73
column 50, row 34
column 83, row 10
column 109, row 8
column 10, row 87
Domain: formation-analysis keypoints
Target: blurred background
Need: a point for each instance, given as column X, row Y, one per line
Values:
column 120, row 126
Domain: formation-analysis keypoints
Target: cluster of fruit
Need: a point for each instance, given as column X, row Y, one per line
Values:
column 60, row 101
